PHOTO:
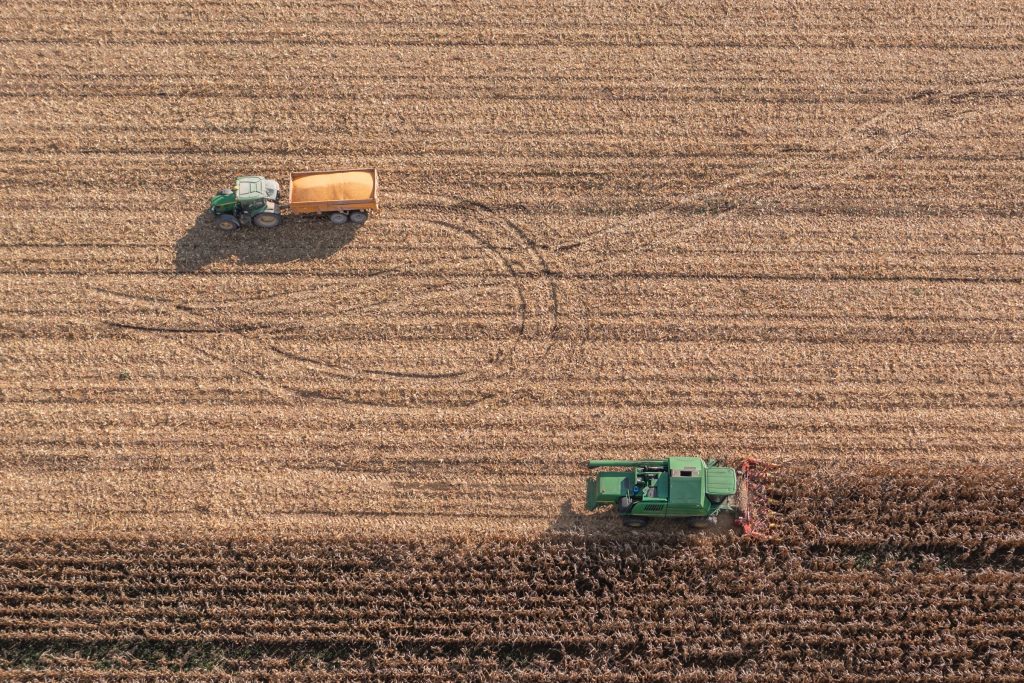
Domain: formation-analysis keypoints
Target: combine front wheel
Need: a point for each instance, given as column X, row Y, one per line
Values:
column 635, row 522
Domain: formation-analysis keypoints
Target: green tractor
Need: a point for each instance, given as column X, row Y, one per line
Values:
column 683, row 487
column 253, row 199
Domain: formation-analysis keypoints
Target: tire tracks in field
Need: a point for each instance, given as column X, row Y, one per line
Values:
column 714, row 204
column 536, row 316
column 520, row 272
column 708, row 197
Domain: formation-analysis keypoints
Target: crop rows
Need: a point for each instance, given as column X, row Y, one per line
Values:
column 555, row 609
column 609, row 229
column 874, row 573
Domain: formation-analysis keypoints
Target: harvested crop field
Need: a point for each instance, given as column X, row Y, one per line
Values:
column 782, row 230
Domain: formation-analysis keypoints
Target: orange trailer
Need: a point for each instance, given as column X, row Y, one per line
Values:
column 344, row 195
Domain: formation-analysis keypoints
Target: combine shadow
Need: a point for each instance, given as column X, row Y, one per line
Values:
column 606, row 522
column 298, row 239
column 569, row 521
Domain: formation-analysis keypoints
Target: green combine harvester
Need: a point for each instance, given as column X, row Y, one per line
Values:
column 684, row 487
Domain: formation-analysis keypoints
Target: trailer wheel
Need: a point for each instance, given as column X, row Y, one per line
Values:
column 635, row 522
column 338, row 217
column 358, row 217
column 267, row 219
column 227, row 223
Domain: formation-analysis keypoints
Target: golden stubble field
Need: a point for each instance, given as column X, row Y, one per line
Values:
column 790, row 231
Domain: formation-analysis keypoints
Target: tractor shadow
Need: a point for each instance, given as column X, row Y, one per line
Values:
column 297, row 239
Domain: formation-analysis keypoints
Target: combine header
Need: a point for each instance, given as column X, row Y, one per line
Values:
column 683, row 487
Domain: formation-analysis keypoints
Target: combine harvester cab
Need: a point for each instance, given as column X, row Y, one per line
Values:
column 343, row 196
column 681, row 487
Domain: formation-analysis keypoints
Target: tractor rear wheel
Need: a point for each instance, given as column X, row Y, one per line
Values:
column 227, row 223
column 338, row 217
column 267, row 219
column 635, row 522
column 358, row 217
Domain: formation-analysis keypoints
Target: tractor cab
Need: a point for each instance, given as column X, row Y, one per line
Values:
column 253, row 191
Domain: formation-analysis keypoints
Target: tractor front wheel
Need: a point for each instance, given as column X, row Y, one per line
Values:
column 267, row 219
column 227, row 223
column 634, row 522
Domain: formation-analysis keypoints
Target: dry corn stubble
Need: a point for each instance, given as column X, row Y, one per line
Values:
column 620, row 229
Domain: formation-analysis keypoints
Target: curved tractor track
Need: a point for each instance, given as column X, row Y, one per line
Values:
column 856, row 148
column 498, row 255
